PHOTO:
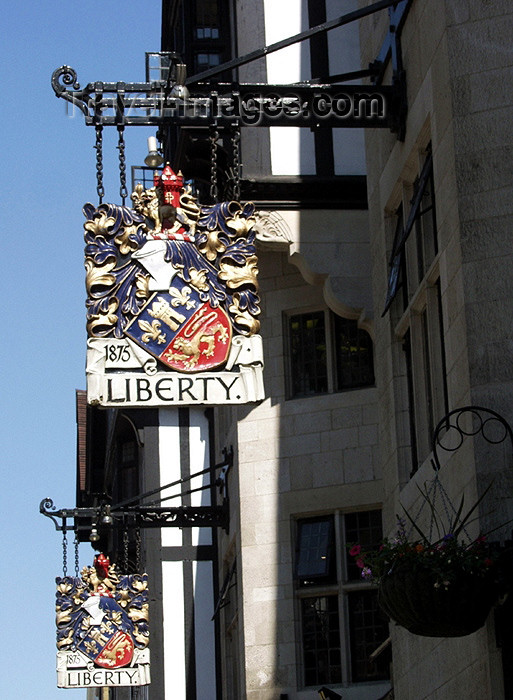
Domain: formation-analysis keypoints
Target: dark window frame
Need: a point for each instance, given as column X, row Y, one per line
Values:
column 416, row 313
column 335, row 641
column 315, row 364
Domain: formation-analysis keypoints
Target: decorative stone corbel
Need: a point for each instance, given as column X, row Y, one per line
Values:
column 273, row 232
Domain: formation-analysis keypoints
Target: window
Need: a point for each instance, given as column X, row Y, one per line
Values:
column 416, row 312
column 315, row 556
column 203, row 61
column 207, row 19
column 128, row 473
column 340, row 624
column 353, row 355
column 142, row 175
column 158, row 64
column 327, row 353
column 207, row 13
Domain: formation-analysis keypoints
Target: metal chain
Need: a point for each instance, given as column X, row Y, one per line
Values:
column 214, row 136
column 434, row 489
column 432, row 494
column 122, row 163
column 125, row 550
column 236, row 162
column 77, row 565
column 99, row 163
column 138, row 550
column 64, row 553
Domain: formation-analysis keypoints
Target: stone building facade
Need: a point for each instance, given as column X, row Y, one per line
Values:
column 445, row 340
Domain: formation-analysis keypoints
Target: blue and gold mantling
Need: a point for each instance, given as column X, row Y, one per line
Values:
column 132, row 253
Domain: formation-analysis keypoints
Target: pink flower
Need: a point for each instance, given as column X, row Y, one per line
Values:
column 355, row 550
column 360, row 563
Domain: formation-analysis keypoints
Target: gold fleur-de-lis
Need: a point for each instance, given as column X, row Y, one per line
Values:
column 182, row 298
column 152, row 332
column 108, row 627
column 91, row 647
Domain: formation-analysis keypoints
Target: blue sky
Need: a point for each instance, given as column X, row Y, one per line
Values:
column 47, row 174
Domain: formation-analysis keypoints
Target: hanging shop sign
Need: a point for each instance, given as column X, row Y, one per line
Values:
column 172, row 300
column 102, row 628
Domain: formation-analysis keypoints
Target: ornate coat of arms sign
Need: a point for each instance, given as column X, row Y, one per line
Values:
column 102, row 628
column 172, row 301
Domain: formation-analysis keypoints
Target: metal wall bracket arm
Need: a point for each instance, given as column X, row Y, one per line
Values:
column 83, row 519
column 245, row 104
column 353, row 16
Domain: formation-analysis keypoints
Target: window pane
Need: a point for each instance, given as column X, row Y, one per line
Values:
column 207, row 14
column 368, row 629
column 428, row 378
column 321, row 640
column 353, row 351
column 362, row 528
column 207, row 60
column 425, row 230
column 395, row 277
column 308, row 361
column 428, row 392
column 314, row 554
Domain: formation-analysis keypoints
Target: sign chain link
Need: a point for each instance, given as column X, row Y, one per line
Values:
column 125, row 549
column 138, row 549
column 64, row 553
column 122, row 164
column 77, row 565
column 236, row 162
column 99, row 163
column 214, row 136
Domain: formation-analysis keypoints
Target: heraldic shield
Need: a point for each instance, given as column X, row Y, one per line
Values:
column 102, row 628
column 172, row 290
column 182, row 331
column 108, row 636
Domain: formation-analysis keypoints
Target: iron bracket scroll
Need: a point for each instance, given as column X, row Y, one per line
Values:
column 490, row 424
column 245, row 104
column 135, row 517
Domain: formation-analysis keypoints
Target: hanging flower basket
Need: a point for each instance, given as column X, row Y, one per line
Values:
column 441, row 588
column 420, row 602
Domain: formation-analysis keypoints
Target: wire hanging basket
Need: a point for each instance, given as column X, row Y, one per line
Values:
column 442, row 582
column 414, row 601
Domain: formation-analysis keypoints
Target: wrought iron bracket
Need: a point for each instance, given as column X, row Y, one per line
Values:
column 489, row 424
column 131, row 514
column 135, row 517
column 203, row 100
column 244, row 104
